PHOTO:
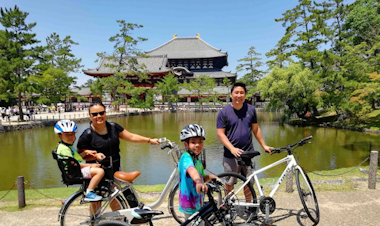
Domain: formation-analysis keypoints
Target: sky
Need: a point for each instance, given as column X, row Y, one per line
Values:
column 232, row 26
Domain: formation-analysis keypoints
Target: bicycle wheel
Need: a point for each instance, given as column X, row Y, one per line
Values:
column 307, row 195
column 77, row 212
column 248, row 194
column 174, row 204
column 113, row 223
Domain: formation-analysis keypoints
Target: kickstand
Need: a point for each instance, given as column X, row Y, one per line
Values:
column 268, row 220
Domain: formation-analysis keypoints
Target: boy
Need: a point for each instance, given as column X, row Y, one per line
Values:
column 66, row 132
column 191, row 172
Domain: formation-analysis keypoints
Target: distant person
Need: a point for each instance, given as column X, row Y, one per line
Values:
column 3, row 113
column 28, row 113
column 66, row 132
column 8, row 113
column 53, row 109
column 192, row 177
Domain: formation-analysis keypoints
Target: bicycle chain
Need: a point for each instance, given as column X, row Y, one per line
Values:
column 8, row 191
column 309, row 171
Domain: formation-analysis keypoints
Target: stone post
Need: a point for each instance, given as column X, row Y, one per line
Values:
column 373, row 163
column 21, row 192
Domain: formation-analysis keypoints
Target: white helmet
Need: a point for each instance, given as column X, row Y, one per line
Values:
column 192, row 130
column 65, row 126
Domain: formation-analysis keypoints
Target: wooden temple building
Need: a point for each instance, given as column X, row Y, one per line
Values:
column 186, row 58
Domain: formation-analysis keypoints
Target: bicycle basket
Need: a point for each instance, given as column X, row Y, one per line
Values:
column 70, row 169
column 202, row 156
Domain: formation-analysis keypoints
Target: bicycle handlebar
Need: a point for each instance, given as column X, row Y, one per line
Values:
column 288, row 147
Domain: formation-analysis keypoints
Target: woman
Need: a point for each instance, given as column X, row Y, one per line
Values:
column 103, row 137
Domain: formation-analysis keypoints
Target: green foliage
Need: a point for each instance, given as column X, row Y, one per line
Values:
column 53, row 86
column 167, row 87
column 293, row 87
column 200, row 86
column 340, row 44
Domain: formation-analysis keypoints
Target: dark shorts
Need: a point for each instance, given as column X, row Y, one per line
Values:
column 231, row 165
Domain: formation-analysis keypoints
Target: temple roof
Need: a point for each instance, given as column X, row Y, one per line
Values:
column 218, row 89
column 187, row 48
column 215, row 74
column 154, row 64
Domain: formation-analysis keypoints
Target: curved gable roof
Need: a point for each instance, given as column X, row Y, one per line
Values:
column 187, row 48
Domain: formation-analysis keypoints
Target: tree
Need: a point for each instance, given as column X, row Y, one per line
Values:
column 54, row 86
column 167, row 88
column 18, row 58
column 250, row 64
column 88, row 83
column 200, row 86
column 227, row 83
column 59, row 53
column 294, row 87
column 123, row 62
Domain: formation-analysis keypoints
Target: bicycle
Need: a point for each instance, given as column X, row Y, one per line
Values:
column 118, row 193
column 248, row 201
column 211, row 212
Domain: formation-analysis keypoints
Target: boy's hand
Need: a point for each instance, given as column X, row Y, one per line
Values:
column 201, row 188
column 154, row 141
column 95, row 165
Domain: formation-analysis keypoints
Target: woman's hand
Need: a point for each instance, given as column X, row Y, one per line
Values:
column 100, row 156
column 90, row 152
column 154, row 141
column 95, row 165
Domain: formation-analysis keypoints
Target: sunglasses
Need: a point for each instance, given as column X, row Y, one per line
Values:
column 96, row 113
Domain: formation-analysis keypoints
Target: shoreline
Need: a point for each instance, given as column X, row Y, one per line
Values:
column 15, row 126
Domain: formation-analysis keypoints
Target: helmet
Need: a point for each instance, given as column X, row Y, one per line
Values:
column 192, row 130
column 65, row 126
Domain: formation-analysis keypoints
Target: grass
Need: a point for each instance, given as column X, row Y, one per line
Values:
column 35, row 199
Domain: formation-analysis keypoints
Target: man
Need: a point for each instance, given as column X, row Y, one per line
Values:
column 235, row 125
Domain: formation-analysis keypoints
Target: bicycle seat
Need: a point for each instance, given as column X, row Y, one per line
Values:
column 127, row 176
column 249, row 154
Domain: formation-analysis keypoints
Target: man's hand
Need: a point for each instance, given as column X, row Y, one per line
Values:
column 267, row 149
column 236, row 152
column 201, row 187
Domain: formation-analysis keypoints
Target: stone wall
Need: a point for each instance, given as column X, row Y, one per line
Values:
column 51, row 122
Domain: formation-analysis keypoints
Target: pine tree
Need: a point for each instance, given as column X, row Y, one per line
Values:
column 18, row 55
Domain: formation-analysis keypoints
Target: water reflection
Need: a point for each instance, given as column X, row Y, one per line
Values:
column 28, row 152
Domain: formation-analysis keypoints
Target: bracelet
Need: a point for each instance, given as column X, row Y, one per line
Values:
column 149, row 141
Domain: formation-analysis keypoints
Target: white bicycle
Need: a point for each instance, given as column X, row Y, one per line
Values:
column 243, row 196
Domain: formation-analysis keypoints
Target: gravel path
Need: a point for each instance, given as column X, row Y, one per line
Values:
column 345, row 208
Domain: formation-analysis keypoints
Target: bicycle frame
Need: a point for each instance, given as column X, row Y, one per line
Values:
column 291, row 166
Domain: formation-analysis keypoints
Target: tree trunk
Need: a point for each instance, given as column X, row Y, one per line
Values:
column 21, row 113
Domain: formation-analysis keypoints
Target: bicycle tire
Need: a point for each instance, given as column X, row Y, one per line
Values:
column 73, row 212
column 174, row 204
column 243, row 214
column 305, row 190
column 113, row 223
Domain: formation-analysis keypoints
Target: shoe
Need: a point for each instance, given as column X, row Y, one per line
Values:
column 91, row 197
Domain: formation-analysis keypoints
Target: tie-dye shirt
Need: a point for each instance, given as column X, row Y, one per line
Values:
column 189, row 200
